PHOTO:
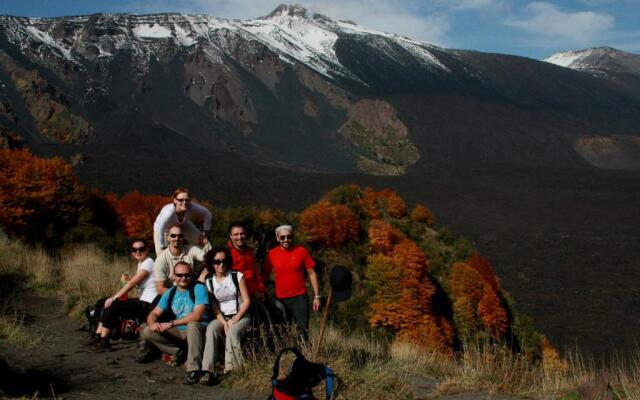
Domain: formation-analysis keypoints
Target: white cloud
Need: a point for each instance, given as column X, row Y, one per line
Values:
column 547, row 20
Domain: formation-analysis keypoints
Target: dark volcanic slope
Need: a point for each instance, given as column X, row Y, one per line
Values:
column 513, row 152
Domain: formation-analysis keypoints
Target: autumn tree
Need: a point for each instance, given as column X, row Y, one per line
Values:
column 137, row 212
column 398, row 271
column 422, row 214
column 476, row 304
column 329, row 225
column 39, row 198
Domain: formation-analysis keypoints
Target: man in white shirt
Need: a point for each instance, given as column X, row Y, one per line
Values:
column 175, row 253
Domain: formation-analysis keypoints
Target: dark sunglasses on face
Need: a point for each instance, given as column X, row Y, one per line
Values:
column 138, row 249
column 218, row 262
column 284, row 237
column 183, row 200
column 183, row 275
column 175, row 235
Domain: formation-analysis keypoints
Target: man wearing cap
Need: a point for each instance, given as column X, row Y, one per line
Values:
column 289, row 262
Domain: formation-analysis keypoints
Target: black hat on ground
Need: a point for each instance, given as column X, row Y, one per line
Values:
column 340, row 280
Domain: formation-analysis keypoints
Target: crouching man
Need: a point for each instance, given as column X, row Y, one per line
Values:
column 186, row 307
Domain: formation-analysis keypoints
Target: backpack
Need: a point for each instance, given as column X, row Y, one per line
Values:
column 303, row 376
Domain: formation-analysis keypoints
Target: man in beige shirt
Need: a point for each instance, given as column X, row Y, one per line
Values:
column 176, row 252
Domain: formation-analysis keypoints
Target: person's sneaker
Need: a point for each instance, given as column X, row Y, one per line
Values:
column 173, row 360
column 147, row 355
column 208, row 379
column 100, row 346
column 191, row 377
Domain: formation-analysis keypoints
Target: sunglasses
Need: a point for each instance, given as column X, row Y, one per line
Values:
column 215, row 261
column 138, row 249
column 182, row 275
column 284, row 237
column 183, row 200
column 175, row 235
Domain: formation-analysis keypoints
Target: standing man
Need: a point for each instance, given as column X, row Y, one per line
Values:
column 289, row 264
column 188, row 304
column 176, row 252
column 244, row 260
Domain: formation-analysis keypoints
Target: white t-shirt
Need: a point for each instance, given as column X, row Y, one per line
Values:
column 148, row 286
column 225, row 293
column 168, row 217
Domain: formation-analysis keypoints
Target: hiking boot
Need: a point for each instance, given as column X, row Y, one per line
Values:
column 191, row 377
column 208, row 379
column 147, row 355
column 100, row 346
column 91, row 340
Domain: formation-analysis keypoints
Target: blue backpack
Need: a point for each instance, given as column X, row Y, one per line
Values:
column 301, row 379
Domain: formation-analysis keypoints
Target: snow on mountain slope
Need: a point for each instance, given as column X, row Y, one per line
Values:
column 292, row 32
column 598, row 61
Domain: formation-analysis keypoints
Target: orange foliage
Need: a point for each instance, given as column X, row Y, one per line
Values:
column 422, row 214
column 38, row 197
column 393, row 204
column 382, row 236
column 137, row 212
column 494, row 317
column 476, row 303
column 483, row 267
column 368, row 202
column 397, row 271
column 329, row 225
column 551, row 361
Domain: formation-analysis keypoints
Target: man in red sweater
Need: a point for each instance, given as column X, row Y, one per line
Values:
column 291, row 265
column 244, row 260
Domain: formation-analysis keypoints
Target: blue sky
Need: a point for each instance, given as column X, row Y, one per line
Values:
column 529, row 28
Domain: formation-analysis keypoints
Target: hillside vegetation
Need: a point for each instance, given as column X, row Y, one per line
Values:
column 425, row 302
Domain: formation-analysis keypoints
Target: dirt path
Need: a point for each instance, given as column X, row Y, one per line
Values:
column 60, row 367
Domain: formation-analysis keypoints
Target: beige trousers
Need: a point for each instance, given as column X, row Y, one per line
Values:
column 233, row 358
column 171, row 340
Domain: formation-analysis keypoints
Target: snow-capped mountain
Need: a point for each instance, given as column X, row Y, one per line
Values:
column 293, row 89
column 603, row 61
column 292, row 32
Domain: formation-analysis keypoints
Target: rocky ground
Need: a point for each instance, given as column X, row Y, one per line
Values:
column 61, row 368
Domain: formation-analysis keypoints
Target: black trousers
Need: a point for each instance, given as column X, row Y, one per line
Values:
column 119, row 309
column 296, row 308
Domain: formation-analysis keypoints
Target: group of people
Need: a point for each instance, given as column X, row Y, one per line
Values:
column 199, row 312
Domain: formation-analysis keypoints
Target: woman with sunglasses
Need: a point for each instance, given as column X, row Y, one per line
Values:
column 289, row 264
column 178, row 213
column 232, row 302
column 116, row 309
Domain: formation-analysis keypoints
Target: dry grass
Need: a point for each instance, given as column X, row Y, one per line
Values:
column 88, row 274
column 368, row 367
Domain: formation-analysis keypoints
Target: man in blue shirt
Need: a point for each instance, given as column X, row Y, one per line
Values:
column 188, row 306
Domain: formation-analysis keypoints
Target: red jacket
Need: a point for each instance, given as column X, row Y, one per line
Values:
column 245, row 262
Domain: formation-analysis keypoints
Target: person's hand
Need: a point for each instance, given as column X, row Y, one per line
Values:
column 226, row 326
column 165, row 326
column 108, row 302
column 156, row 327
column 230, row 323
column 203, row 240
column 316, row 304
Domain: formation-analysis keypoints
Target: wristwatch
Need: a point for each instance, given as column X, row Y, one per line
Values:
column 171, row 323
